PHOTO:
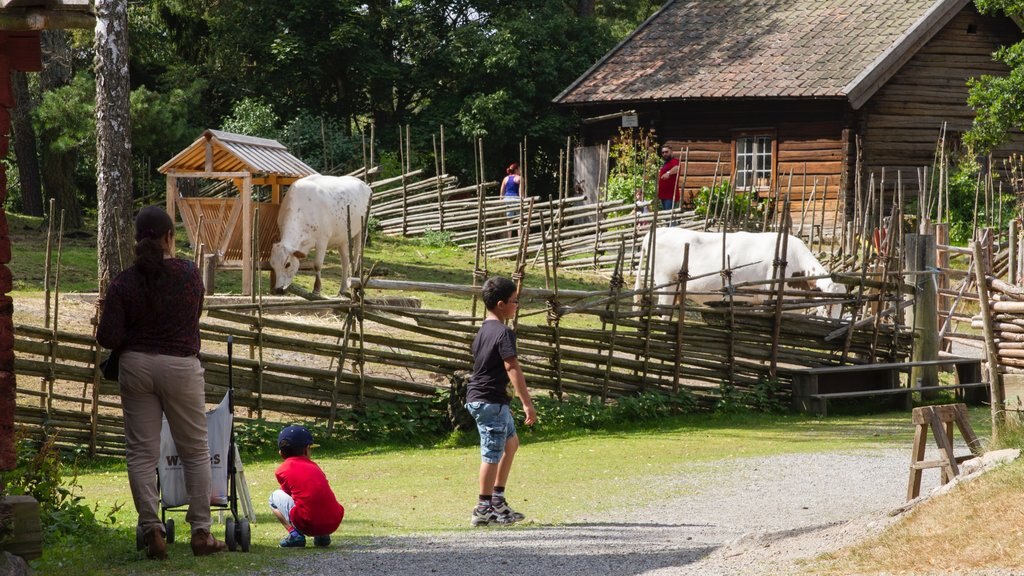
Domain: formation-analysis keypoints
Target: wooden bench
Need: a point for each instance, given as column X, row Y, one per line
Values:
column 814, row 387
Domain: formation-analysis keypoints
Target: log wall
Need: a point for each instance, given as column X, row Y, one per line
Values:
column 901, row 124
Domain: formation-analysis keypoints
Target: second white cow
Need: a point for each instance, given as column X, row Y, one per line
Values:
column 315, row 215
column 750, row 254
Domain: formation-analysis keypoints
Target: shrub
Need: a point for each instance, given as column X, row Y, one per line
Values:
column 590, row 413
column 743, row 203
column 763, row 397
column 634, row 164
column 436, row 239
column 42, row 473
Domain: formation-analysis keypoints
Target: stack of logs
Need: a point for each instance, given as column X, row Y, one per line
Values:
column 1006, row 307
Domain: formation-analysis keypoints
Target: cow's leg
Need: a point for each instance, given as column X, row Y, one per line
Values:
column 321, row 254
column 346, row 266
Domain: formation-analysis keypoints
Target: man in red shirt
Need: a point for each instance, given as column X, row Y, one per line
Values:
column 305, row 504
column 667, row 178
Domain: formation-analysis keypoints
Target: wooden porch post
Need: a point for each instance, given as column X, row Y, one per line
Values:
column 247, row 255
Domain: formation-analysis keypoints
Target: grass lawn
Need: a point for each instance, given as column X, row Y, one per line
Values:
column 436, row 485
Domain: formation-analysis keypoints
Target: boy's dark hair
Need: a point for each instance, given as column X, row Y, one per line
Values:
column 497, row 289
column 290, row 451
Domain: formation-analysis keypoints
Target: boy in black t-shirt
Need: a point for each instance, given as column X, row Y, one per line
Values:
column 495, row 366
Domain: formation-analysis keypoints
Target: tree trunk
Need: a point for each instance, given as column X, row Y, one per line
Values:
column 114, row 216
column 58, row 167
column 25, row 146
column 585, row 8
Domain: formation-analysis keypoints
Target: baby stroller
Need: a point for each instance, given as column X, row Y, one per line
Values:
column 223, row 473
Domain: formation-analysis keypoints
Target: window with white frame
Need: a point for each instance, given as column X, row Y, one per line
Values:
column 754, row 162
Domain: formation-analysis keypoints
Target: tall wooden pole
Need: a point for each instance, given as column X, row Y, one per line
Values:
column 920, row 257
column 995, row 379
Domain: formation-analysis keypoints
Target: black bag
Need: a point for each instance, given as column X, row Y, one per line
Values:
column 110, row 365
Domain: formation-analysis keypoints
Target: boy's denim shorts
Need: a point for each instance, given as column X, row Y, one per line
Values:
column 496, row 426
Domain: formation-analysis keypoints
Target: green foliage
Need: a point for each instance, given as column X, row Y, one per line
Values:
column 634, row 164
column 584, row 412
column 966, row 199
column 322, row 142
column 436, row 239
column 404, row 421
column 765, row 396
column 373, row 422
column 738, row 205
column 42, row 473
column 67, row 113
column 998, row 101
column 252, row 117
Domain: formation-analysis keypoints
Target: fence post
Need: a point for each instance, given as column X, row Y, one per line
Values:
column 920, row 257
column 994, row 377
column 1011, row 273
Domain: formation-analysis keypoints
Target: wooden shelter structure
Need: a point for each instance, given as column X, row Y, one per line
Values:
column 224, row 226
column 830, row 92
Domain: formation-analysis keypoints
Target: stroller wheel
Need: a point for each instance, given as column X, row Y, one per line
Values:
column 243, row 534
column 169, row 530
column 229, row 534
column 140, row 541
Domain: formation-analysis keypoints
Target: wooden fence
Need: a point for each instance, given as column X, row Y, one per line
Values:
column 306, row 369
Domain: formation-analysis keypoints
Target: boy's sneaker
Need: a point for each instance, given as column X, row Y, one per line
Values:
column 322, row 541
column 486, row 516
column 293, row 540
column 481, row 516
column 503, row 509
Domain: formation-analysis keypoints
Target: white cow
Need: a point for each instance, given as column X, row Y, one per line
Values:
column 750, row 254
column 315, row 214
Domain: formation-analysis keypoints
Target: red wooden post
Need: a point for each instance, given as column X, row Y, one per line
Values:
column 18, row 51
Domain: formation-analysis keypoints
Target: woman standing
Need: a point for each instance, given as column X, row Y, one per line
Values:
column 151, row 317
column 511, row 192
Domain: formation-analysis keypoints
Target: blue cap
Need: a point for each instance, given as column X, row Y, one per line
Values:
column 295, row 436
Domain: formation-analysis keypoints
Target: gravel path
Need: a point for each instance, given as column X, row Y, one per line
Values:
column 742, row 516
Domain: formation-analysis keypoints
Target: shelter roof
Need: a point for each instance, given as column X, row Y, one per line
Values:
column 696, row 49
column 217, row 151
column 25, row 15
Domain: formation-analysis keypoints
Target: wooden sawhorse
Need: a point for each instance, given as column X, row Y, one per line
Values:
column 941, row 419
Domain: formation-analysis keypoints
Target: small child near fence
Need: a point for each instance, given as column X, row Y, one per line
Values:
column 496, row 369
column 305, row 505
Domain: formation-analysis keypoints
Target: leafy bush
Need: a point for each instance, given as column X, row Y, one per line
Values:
column 634, row 163
column 965, row 182
column 436, row 239
column 590, row 413
column 763, row 397
column 405, row 421
column 42, row 473
column 743, row 202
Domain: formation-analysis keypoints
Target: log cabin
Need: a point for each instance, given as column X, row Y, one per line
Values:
column 798, row 96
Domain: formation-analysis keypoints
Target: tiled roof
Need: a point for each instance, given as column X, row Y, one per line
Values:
column 758, row 48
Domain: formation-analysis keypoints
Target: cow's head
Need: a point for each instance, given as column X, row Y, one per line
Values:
column 829, row 287
column 285, row 263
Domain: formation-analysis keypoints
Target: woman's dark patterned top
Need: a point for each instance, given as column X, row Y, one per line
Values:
column 164, row 322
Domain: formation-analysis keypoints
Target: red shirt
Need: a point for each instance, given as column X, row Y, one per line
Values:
column 316, row 511
column 667, row 186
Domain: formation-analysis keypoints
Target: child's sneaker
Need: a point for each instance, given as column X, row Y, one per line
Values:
column 481, row 516
column 293, row 540
column 503, row 508
column 322, row 541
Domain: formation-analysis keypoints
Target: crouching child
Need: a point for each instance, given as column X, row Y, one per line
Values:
column 305, row 504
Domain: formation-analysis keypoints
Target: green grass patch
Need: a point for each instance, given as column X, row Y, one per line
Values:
column 554, row 474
